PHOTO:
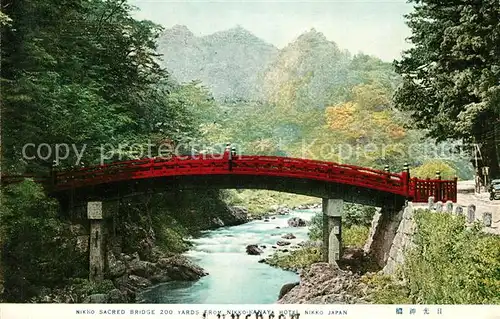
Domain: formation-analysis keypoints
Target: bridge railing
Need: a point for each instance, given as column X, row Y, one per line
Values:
column 397, row 183
column 441, row 190
column 333, row 172
column 244, row 164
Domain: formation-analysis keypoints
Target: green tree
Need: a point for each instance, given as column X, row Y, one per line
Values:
column 429, row 169
column 450, row 75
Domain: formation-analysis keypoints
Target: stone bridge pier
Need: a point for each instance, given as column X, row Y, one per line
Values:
column 385, row 225
column 332, row 229
column 96, row 245
column 99, row 215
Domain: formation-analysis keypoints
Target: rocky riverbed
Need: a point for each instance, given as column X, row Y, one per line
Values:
column 339, row 283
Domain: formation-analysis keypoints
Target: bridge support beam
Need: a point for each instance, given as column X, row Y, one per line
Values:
column 96, row 245
column 332, row 229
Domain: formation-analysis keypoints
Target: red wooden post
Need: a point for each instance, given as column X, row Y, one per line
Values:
column 405, row 175
column 386, row 169
column 439, row 190
column 455, row 189
column 416, row 185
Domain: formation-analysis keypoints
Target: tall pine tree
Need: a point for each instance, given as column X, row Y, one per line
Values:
column 451, row 74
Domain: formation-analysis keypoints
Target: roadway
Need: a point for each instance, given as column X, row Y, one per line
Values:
column 467, row 196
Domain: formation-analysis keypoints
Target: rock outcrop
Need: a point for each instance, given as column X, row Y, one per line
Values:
column 283, row 243
column 235, row 215
column 286, row 288
column 323, row 283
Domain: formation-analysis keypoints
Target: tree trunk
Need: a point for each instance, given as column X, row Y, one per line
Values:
column 490, row 157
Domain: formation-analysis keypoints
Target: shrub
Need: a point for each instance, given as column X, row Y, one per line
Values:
column 316, row 227
column 355, row 236
column 356, row 225
column 298, row 259
column 451, row 263
column 386, row 289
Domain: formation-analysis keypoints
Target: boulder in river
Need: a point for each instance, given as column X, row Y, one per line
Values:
column 283, row 243
column 180, row 268
column 288, row 236
column 296, row 222
column 253, row 250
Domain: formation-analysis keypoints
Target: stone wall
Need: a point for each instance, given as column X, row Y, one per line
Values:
column 390, row 235
column 402, row 241
column 383, row 233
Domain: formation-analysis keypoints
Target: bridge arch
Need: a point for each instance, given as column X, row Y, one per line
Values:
column 89, row 187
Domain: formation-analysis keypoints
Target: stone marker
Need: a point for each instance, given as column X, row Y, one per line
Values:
column 459, row 210
column 430, row 203
column 449, row 206
column 439, row 206
column 487, row 219
column 471, row 213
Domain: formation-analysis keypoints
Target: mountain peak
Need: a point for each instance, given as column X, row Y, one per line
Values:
column 238, row 34
column 237, row 30
column 179, row 31
column 312, row 34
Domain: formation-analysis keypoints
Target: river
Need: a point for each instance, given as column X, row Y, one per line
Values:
column 234, row 277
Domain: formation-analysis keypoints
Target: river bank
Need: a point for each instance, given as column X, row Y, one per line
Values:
column 435, row 270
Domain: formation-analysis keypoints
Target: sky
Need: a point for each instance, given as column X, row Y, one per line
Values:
column 373, row 27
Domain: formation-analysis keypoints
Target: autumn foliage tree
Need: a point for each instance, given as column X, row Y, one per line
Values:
column 368, row 118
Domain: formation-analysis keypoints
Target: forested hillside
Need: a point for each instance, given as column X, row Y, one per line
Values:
column 316, row 101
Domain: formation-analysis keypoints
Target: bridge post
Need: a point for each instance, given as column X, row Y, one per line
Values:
column 96, row 245
column 332, row 229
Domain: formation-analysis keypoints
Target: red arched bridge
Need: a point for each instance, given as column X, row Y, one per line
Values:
column 304, row 176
